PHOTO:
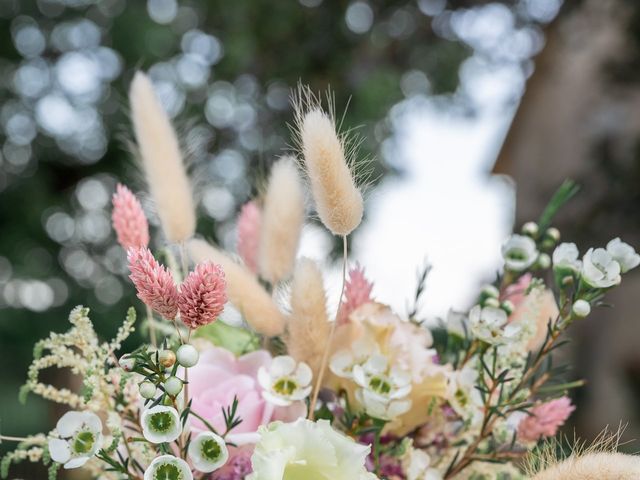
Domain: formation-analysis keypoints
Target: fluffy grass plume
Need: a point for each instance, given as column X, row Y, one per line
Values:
column 282, row 220
column 599, row 461
column 337, row 198
column 308, row 327
column 162, row 161
column 243, row 290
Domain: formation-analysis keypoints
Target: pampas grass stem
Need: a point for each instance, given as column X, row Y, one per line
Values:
column 162, row 161
column 282, row 220
column 327, row 347
column 243, row 289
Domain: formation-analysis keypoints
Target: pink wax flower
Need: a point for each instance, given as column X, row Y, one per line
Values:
column 219, row 377
column 357, row 292
column 153, row 282
column 545, row 419
column 129, row 221
column 202, row 295
column 249, row 223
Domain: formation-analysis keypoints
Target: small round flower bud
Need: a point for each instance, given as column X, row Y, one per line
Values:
column 544, row 261
column 508, row 307
column 491, row 302
column 581, row 308
column 187, row 356
column 530, row 229
column 554, row 234
column 566, row 281
column 127, row 362
column 147, row 389
column 173, row 386
column 167, row 358
column 490, row 291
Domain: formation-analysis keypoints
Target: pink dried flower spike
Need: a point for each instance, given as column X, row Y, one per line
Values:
column 357, row 292
column 153, row 282
column 202, row 295
column 128, row 219
column 545, row 419
column 249, row 224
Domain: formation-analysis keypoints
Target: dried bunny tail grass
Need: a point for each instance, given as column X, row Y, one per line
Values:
column 598, row 461
column 282, row 221
column 308, row 326
column 243, row 289
column 163, row 163
column 327, row 159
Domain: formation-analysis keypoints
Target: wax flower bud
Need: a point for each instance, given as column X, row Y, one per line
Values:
column 187, row 356
column 508, row 306
column 553, row 234
column 173, row 386
column 544, row 261
column 147, row 389
column 491, row 302
column 127, row 362
column 530, row 229
column 490, row 291
column 581, row 308
column 167, row 358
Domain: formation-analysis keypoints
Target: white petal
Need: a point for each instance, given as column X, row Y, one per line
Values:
column 300, row 393
column 200, row 461
column 341, row 363
column 92, row 421
column 275, row 399
column 397, row 408
column 76, row 462
column 303, row 374
column 376, row 364
column 281, row 366
column 69, row 423
column 264, row 379
column 359, row 376
column 59, row 450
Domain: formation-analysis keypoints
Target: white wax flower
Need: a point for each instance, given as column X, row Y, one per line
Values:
column 600, row 269
column 462, row 394
column 565, row 258
column 79, row 438
column 168, row 467
column 624, row 254
column 308, row 450
column 285, row 381
column 208, row 452
column 343, row 361
column 383, row 390
column 160, row 424
column 519, row 252
column 417, row 466
column 489, row 324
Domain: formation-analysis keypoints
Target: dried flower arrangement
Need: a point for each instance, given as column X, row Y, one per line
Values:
column 299, row 391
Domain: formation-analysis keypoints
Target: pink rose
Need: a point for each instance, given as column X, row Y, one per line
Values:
column 219, row 377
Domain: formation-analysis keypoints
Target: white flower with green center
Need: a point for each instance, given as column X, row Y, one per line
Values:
column 168, row 467
column 489, row 324
column 600, row 269
column 383, row 390
column 306, row 450
column 462, row 394
column 161, row 424
column 285, row 381
column 208, row 452
column 624, row 254
column 565, row 258
column 343, row 361
column 519, row 253
column 79, row 438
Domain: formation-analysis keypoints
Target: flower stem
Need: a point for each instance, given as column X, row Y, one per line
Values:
column 327, row 348
column 152, row 328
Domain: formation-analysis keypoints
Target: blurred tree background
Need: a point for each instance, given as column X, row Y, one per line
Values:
column 224, row 71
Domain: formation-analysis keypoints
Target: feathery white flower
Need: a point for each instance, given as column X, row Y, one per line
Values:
column 243, row 290
column 282, row 220
column 79, row 438
column 519, row 252
column 285, row 381
column 599, row 269
column 167, row 467
column 624, row 254
column 163, row 164
column 208, row 452
column 160, row 424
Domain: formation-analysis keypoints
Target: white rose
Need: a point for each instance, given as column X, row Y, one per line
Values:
column 624, row 254
column 599, row 269
column 519, row 252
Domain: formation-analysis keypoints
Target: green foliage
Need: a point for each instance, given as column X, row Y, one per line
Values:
column 237, row 340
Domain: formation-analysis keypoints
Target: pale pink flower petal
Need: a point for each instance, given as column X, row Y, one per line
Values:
column 202, row 295
column 249, row 223
column 153, row 282
column 357, row 292
column 545, row 419
column 129, row 221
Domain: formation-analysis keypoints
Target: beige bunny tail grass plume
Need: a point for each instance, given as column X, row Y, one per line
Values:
column 599, row 461
column 337, row 198
column 282, row 220
column 308, row 327
column 162, row 161
column 243, row 289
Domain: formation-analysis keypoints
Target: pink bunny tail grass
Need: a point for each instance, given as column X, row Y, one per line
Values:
column 545, row 419
column 153, row 282
column 202, row 295
column 357, row 292
column 249, row 224
column 128, row 219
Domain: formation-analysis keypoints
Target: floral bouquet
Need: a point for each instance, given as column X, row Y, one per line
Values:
column 247, row 374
